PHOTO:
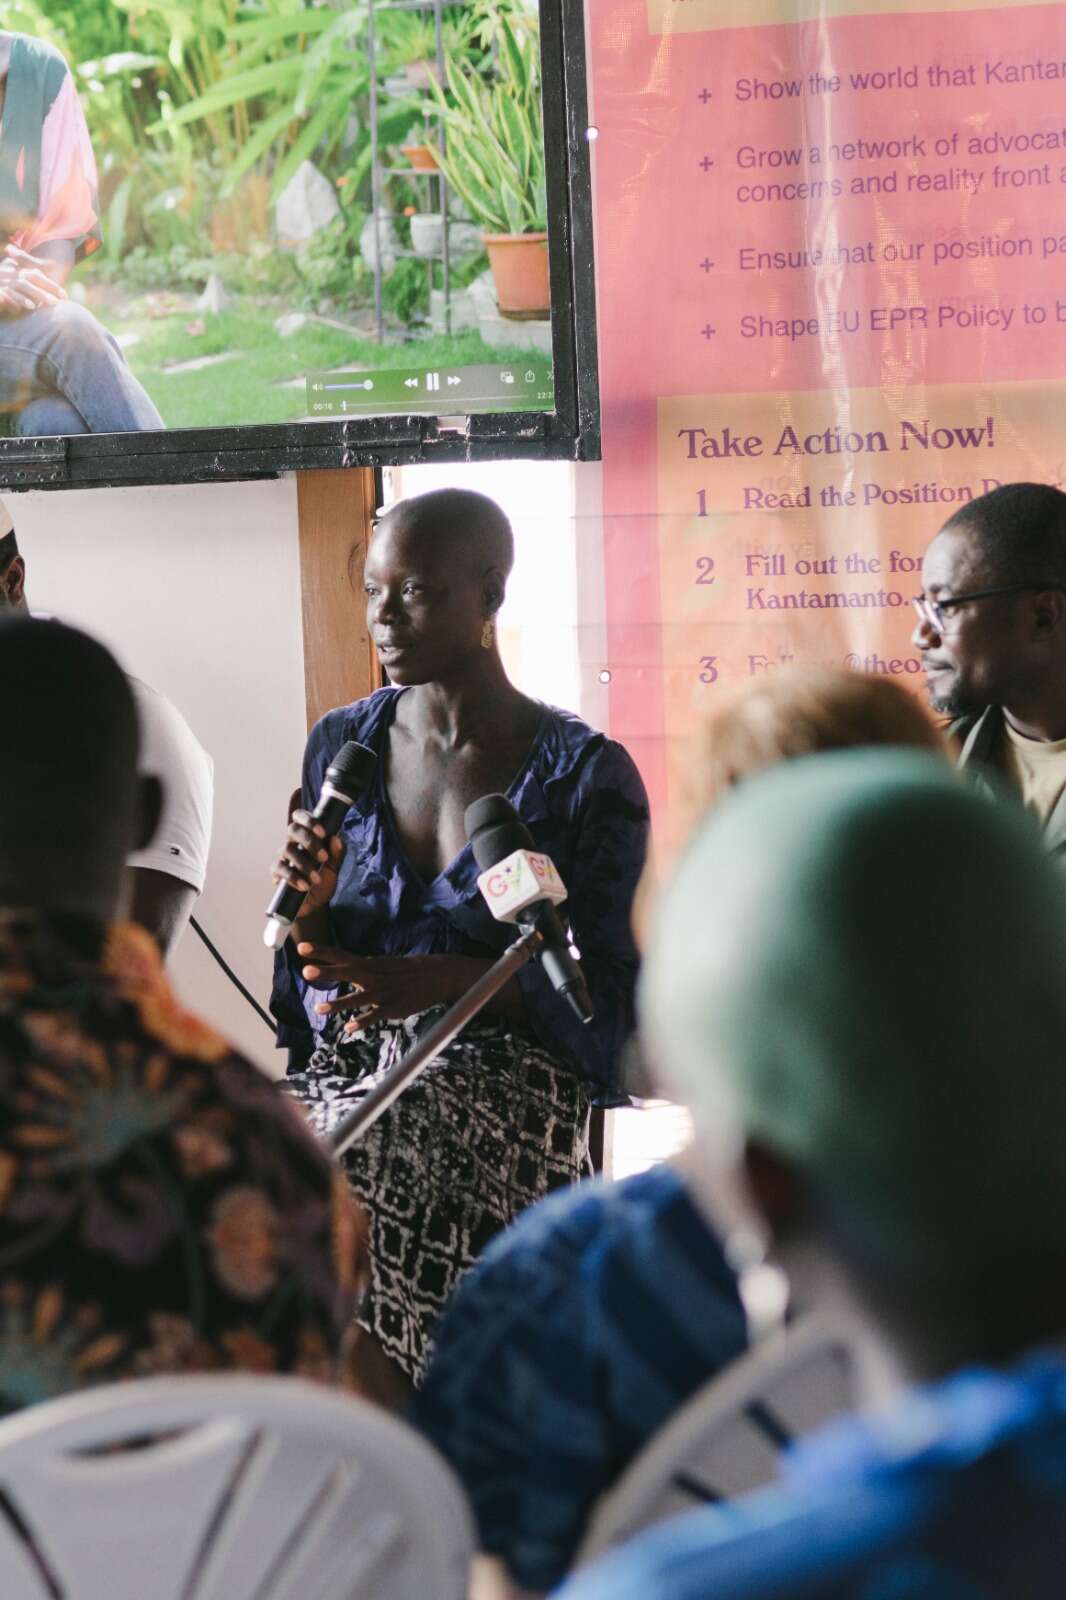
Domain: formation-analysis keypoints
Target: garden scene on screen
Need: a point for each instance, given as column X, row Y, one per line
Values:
column 283, row 210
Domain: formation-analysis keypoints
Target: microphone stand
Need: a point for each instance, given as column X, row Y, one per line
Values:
column 417, row 1059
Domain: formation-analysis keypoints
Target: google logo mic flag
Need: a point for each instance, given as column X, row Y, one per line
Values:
column 518, row 881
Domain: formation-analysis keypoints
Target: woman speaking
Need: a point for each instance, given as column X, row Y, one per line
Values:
column 393, row 927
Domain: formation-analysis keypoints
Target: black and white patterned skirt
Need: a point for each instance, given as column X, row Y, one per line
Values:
column 491, row 1126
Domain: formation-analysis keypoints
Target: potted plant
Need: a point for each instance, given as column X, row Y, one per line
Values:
column 414, row 42
column 494, row 160
column 411, row 45
column 427, row 234
column 417, row 150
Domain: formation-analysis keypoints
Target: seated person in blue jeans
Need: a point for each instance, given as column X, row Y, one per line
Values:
column 855, row 979
column 60, row 370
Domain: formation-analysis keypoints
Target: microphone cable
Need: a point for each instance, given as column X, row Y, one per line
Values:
column 232, row 976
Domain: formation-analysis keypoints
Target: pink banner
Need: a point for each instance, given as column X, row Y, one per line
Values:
column 831, row 261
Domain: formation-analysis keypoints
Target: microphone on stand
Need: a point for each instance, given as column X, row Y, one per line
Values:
column 346, row 777
column 521, row 885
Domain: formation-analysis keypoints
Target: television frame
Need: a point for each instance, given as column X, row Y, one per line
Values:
column 571, row 432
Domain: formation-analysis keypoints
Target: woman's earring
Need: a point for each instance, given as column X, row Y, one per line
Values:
column 488, row 635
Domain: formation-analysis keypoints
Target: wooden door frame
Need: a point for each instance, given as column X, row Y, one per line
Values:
column 335, row 512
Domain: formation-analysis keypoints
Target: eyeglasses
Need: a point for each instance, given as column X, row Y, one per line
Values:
column 934, row 613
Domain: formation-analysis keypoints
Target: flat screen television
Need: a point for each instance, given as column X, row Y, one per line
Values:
column 241, row 237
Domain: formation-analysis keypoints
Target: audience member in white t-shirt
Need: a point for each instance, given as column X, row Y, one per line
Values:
column 166, row 878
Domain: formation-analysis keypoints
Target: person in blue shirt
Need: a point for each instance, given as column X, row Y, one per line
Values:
column 579, row 1333
column 599, row 1313
column 855, row 978
column 394, row 927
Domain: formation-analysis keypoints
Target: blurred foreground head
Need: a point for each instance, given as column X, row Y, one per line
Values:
column 72, row 806
column 797, row 711
column 856, row 981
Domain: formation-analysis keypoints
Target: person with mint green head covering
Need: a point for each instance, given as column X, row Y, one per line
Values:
column 856, row 981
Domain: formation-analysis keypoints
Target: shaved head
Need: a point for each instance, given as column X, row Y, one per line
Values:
column 468, row 524
column 435, row 575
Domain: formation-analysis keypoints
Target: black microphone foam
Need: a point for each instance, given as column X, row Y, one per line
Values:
column 352, row 765
column 495, row 831
column 347, row 775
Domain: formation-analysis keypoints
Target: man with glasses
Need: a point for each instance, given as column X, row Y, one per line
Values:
column 992, row 633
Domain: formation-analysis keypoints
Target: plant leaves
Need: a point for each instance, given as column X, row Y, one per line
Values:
column 231, row 91
column 494, row 133
column 311, row 137
column 124, row 61
column 117, row 214
column 257, row 146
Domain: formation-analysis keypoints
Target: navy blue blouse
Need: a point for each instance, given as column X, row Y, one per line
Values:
column 581, row 798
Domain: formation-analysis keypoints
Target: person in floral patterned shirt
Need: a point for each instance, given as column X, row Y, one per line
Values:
column 163, row 1208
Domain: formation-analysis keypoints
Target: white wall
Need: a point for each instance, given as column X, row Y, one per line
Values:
column 197, row 591
column 539, row 633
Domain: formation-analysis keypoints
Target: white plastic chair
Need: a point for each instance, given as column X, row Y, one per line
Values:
column 726, row 1440
column 225, row 1488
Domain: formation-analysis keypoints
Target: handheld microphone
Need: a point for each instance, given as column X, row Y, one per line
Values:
column 346, row 777
column 521, row 885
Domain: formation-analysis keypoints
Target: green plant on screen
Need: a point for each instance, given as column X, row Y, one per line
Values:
column 495, row 136
column 293, row 75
